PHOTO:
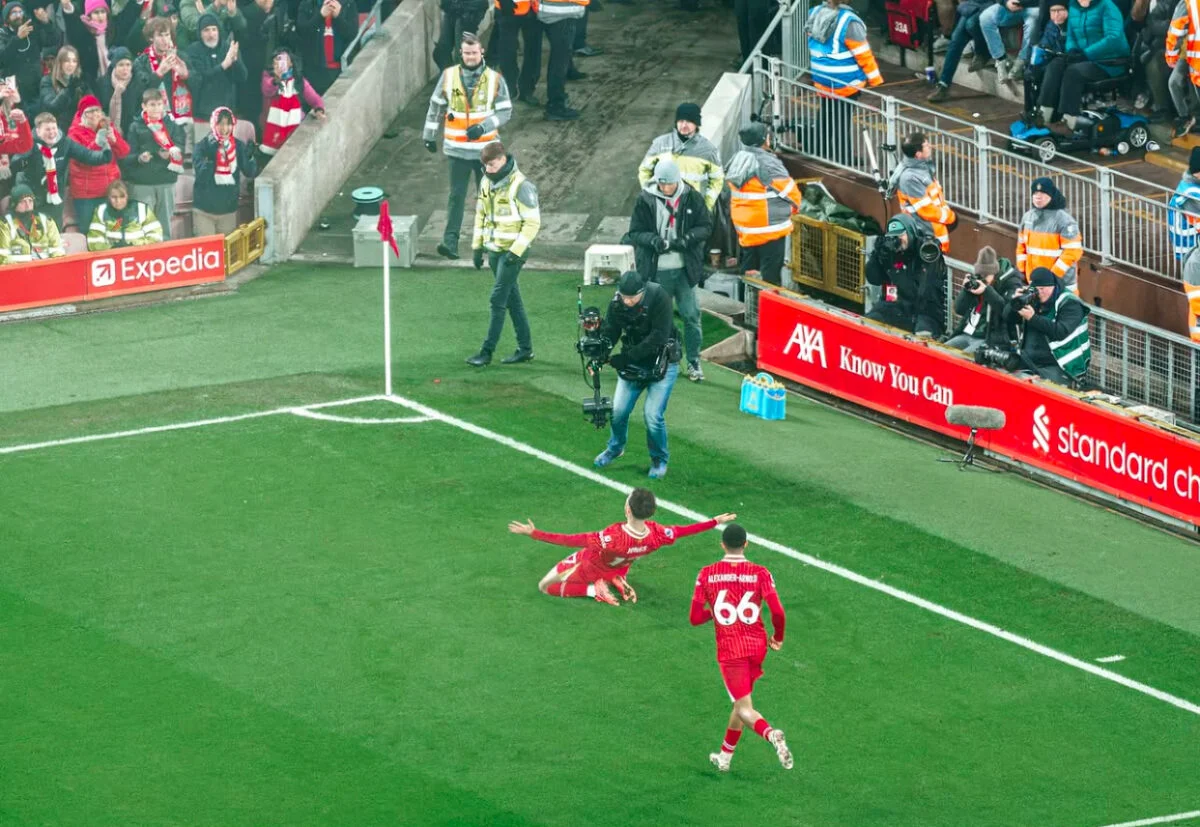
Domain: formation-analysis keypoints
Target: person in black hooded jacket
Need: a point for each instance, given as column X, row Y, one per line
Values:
column 912, row 290
column 217, row 69
column 21, row 54
column 124, row 107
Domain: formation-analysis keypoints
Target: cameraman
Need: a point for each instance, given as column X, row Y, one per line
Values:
column 640, row 316
column 1055, row 343
column 907, row 266
column 981, row 304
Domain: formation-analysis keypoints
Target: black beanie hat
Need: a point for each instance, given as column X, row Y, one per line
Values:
column 754, row 134
column 630, row 283
column 1043, row 277
column 688, row 112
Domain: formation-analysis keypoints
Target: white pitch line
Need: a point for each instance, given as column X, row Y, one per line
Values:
column 354, row 420
column 1147, row 822
column 1111, row 659
column 179, row 426
column 816, row 562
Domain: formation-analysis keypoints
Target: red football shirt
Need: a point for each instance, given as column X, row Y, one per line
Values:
column 735, row 592
column 603, row 553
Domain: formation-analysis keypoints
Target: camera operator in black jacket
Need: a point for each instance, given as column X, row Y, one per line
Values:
column 640, row 316
column 908, row 267
column 1055, row 344
column 981, row 304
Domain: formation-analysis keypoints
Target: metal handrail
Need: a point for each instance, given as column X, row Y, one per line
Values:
column 365, row 32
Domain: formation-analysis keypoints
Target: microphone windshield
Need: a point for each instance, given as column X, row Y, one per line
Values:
column 975, row 416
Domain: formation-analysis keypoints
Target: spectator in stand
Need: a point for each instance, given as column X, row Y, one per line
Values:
column 266, row 24
column 1183, row 210
column 981, row 304
column 324, row 28
column 230, row 21
column 120, row 221
column 1150, row 58
column 916, row 186
column 118, row 93
column 63, row 87
column 1048, row 236
column 285, row 93
column 559, row 19
column 155, row 159
column 27, row 235
column 698, row 160
column 15, row 135
column 518, row 18
column 217, row 70
column 220, row 160
column 95, row 31
column 966, row 30
column 458, row 16
column 1053, row 39
column 162, row 67
column 1096, row 50
column 842, row 66
column 763, row 198
column 1004, row 15
column 1185, row 74
column 46, row 169
column 91, row 129
column 47, row 31
column 20, row 54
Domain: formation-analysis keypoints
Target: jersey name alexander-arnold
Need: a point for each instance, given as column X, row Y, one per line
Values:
column 733, row 578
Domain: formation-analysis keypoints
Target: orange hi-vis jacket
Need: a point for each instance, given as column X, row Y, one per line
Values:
column 521, row 7
column 920, row 195
column 1191, row 284
column 763, row 197
column 1186, row 25
column 841, row 58
column 1050, row 238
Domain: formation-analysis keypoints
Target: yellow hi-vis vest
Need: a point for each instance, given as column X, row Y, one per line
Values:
column 463, row 111
column 502, row 222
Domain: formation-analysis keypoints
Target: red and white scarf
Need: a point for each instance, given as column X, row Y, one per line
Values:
column 331, row 61
column 163, row 139
column 283, row 116
column 51, row 169
column 225, row 173
column 179, row 99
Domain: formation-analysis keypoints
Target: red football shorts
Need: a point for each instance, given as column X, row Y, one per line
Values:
column 739, row 676
column 566, row 567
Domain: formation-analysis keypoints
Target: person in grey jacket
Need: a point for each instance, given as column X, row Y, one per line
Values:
column 668, row 229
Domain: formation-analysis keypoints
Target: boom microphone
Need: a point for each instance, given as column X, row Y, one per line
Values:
column 975, row 417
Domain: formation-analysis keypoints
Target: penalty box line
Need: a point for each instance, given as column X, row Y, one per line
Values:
column 815, row 562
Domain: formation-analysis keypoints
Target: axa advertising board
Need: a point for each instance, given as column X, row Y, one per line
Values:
column 911, row 380
column 113, row 273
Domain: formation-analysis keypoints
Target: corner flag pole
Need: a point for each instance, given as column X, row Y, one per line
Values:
column 387, row 239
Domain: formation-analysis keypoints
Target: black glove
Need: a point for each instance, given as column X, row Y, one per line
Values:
column 474, row 133
column 619, row 361
column 513, row 260
column 1076, row 56
column 431, row 146
column 663, row 244
column 479, row 259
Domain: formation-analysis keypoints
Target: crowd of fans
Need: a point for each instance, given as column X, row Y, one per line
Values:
column 105, row 108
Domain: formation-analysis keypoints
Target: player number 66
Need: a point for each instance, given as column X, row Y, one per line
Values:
column 727, row 614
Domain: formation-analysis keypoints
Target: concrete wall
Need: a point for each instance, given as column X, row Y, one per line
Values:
column 726, row 110
column 312, row 166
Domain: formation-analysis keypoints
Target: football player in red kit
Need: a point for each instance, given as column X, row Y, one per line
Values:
column 604, row 556
column 734, row 590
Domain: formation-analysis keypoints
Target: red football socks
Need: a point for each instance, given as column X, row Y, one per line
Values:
column 731, row 739
column 762, row 728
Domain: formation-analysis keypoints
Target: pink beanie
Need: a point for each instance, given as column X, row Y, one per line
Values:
column 90, row 6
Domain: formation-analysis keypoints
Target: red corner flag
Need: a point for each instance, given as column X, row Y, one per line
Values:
column 385, row 228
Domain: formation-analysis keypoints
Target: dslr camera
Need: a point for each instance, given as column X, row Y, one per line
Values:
column 1000, row 358
column 1024, row 297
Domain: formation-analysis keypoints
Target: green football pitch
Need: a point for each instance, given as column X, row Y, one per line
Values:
column 223, row 602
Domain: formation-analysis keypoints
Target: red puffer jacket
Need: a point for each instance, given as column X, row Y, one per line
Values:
column 91, row 181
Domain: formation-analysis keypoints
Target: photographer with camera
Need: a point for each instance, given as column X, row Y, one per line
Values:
column 981, row 304
column 1055, row 343
column 640, row 317
column 908, row 267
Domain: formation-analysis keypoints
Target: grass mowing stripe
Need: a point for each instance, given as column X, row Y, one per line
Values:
column 950, row 614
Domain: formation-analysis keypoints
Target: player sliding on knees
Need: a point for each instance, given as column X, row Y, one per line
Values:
column 604, row 556
column 735, row 589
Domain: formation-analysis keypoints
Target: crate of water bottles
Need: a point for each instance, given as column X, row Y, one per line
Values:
column 764, row 397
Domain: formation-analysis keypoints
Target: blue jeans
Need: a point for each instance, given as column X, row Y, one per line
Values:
column 506, row 301
column 965, row 30
column 997, row 17
column 676, row 283
column 657, row 397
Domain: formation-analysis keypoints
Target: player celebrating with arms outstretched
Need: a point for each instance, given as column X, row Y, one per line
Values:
column 604, row 556
column 735, row 588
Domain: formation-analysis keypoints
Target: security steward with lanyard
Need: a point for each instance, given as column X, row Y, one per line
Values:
column 507, row 220
column 640, row 317
column 473, row 101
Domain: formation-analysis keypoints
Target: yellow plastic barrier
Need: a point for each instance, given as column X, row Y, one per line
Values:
column 245, row 245
column 828, row 257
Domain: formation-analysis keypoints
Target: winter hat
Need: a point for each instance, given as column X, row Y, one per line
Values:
column 1044, row 185
column 1194, row 160
column 630, row 283
column 207, row 19
column 10, row 6
column 87, row 102
column 986, row 263
column 688, row 112
column 666, row 171
column 896, row 227
column 754, row 134
column 90, row 6
column 1043, row 277
column 18, row 192
column 34, row 5
column 116, row 54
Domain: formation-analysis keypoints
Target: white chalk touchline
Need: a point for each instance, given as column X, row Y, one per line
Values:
column 1147, row 822
column 815, row 562
column 1111, row 659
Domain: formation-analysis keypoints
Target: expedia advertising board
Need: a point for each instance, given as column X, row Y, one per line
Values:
column 100, row 275
column 915, row 382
